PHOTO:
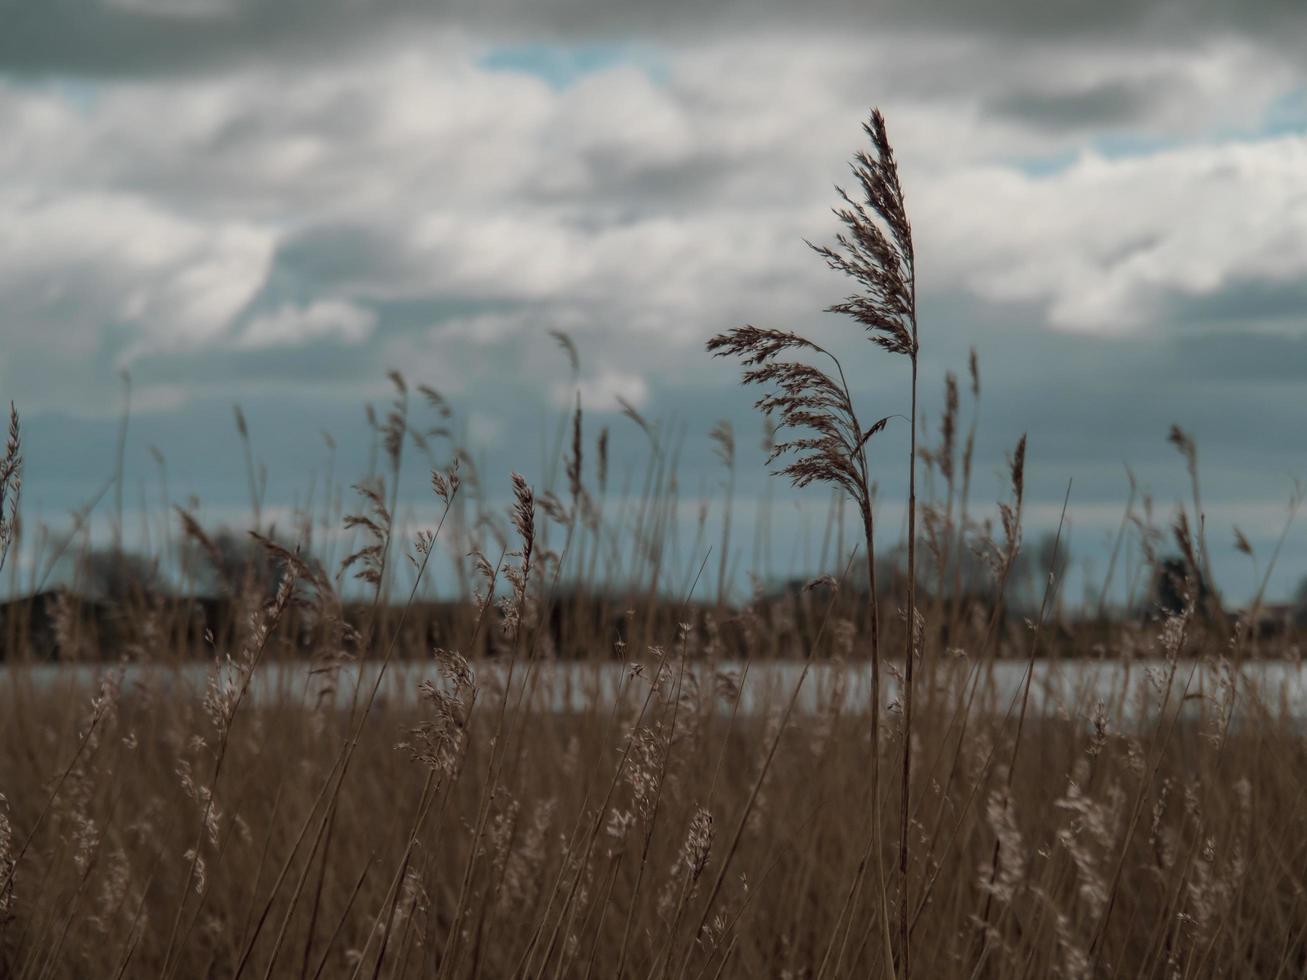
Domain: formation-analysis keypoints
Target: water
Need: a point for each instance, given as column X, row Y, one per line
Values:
column 1130, row 693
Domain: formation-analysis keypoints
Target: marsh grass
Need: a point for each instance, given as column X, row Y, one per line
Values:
column 565, row 845
column 152, row 829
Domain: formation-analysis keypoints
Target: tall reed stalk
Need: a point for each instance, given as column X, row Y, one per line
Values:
column 829, row 443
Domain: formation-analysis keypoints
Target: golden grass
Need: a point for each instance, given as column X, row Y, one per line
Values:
column 664, row 836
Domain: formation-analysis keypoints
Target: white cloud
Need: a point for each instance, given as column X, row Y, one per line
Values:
column 1105, row 244
column 642, row 214
column 79, row 261
column 292, row 325
column 600, row 392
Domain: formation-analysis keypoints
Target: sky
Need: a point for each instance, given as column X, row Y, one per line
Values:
column 272, row 204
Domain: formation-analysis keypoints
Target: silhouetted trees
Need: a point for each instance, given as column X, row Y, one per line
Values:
column 117, row 575
column 1174, row 583
column 1300, row 603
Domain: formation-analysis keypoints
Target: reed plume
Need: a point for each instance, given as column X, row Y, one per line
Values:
column 828, row 442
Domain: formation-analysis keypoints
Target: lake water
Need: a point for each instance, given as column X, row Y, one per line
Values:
column 1130, row 692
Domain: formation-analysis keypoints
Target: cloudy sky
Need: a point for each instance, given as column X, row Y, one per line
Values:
column 272, row 203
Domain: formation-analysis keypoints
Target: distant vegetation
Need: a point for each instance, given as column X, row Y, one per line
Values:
column 315, row 829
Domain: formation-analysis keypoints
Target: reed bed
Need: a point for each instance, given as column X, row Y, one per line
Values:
column 662, row 835
column 319, row 828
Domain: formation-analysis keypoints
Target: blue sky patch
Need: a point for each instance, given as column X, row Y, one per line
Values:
column 562, row 65
column 1287, row 114
column 1109, row 147
column 80, row 93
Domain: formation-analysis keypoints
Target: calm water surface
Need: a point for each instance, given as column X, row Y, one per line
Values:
column 1130, row 692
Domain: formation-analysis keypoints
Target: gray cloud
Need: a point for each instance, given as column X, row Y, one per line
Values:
column 1107, row 104
column 139, row 37
column 1276, row 305
column 1247, row 358
column 96, row 37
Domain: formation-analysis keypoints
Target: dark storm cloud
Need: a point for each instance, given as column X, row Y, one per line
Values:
column 322, row 363
column 1246, row 357
column 98, row 38
column 1107, row 105
column 134, row 37
column 317, row 256
column 1252, row 302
